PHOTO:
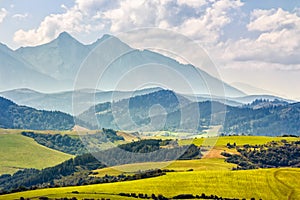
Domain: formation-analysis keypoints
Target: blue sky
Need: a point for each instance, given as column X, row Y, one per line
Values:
column 254, row 42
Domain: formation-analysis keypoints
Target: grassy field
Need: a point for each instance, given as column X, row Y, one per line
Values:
column 178, row 165
column 210, row 175
column 272, row 184
column 239, row 140
column 17, row 152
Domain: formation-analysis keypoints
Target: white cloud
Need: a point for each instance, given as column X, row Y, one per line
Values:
column 78, row 19
column 20, row 16
column 197, row 19
column 271, row 20
column 73, row 21
column 208, row 27
column 135, row 14
column 192, row 3
column 277, row 44
column 3, row 14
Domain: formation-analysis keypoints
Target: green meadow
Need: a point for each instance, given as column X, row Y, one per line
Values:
column 239, row 140
column 18, row 152
column 262, row 183
column 209, row 175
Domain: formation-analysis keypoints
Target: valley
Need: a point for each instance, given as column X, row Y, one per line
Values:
column 107, row 120
column 210, row 175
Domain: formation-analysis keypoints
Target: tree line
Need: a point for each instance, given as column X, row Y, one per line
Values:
column 73, row 145
column 77, row 171
column 270, row 155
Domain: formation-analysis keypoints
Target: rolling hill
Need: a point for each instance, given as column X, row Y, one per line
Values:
column 19, row 152
column 264, row 184
column 22, row 117
column 166, row 110
column 63, row 101
column 209, row 176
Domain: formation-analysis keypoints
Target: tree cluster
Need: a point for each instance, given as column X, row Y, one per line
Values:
column 77, row 171
column 63, row 143
column 22, row 117
column 271, row 155
column 73, row 145
column 33, row 178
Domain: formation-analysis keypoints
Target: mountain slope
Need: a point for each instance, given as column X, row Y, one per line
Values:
column 118, row 66
column 19, row 152
column 270, row 121
column 22, row 117
column 61, row 59
column 63, row 101
column 166, row 110
column 251, row 90
column 135, row 113
column 16, row 72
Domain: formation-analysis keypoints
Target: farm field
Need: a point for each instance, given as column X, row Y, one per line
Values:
column 239, row 140
column 210, row 175
column 18, row 152
column 272, row 184
column 178, row 165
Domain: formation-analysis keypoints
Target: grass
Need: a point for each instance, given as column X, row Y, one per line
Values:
column 262, row 183
column 210, row 175
column 239, row 140
column 18, row 152
column 178, row 165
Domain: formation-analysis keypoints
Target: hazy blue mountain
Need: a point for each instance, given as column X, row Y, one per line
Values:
column 237, row 101
column 54, row 66
column 60, row 59
column 250, row 98
column 266, row 103
column 251, row 90
column 16, row 72
column 63, row 101
column 128, row 68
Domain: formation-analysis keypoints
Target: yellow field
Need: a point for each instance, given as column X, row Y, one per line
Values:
column 239, row 140
column 210, row 175
column 178, row 165
column 267, row 184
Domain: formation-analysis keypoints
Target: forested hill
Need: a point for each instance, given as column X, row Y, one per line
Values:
column 271, row 118
column 270, row 121
column 22, row 117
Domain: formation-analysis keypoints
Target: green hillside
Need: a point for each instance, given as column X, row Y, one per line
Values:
column 22, row 117
column 210, row 175
column 264, row 183
column 17, row 152
column 239, row 140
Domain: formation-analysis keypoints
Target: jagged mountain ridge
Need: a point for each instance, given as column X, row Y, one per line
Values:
column 54, row 66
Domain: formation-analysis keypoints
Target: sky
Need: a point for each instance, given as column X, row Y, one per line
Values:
column 253, row 42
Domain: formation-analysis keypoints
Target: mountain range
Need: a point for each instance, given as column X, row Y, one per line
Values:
column 54, row 67
column 63, row 101
column 162, row 110
column 177, row 113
